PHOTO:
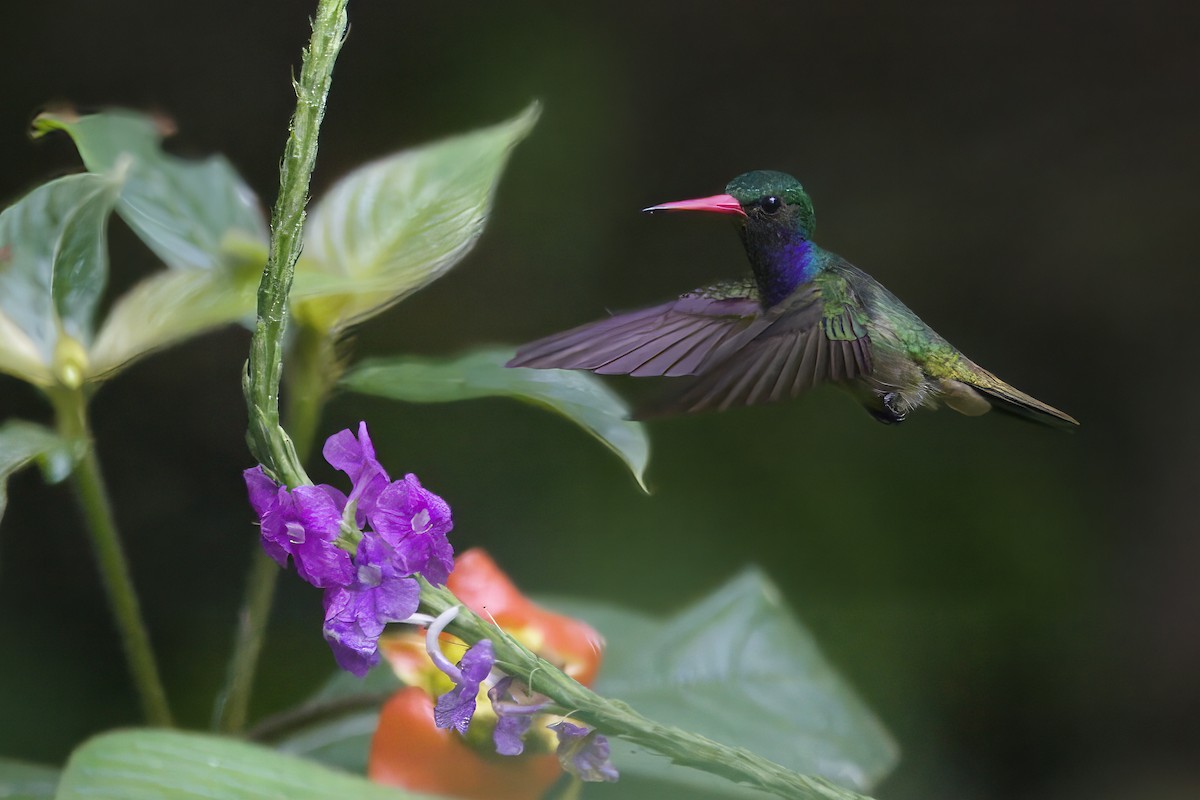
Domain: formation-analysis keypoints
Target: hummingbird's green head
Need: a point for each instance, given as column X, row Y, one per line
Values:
column 772, row 205
column 775, row 220
column 773, row 201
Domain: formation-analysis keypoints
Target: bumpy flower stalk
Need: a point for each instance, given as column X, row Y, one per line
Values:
column 615, row 718
column 268, row 442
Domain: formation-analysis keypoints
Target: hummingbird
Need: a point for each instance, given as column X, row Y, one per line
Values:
column 804, row 316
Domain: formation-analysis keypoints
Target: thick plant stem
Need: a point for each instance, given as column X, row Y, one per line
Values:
column 88, row 483
column 267, row 440
column 313, row 369
column 615, row 718
column 307, row 379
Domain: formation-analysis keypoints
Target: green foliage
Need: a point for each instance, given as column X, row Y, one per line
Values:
column 23, row 442
column 579, row 396
column 166, row 308
column 23, row 781
column 738, row 667
column 397, row 224
column 54, row 260
column 187, row 212
column 53, row 269
column 154, row 764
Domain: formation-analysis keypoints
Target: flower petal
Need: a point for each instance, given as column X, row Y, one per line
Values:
column 318, row 560
column 356, row 458
column 266, row 498
column 456, row 707
column 356, row 615
column 415, row 522
column 584, row 753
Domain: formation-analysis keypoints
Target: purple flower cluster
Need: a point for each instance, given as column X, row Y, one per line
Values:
column 582, row 751
column 362, row 549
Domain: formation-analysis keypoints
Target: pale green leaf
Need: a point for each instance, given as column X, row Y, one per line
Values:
column 20, row 780
column 186, row 211
column 166, row 308
column 739, row 668
column 53, row 269
column 397, row 224
column 22, row 442
column 578, row 396
column 159, row 764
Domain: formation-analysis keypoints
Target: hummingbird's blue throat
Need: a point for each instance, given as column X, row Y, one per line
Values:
column 780, row 267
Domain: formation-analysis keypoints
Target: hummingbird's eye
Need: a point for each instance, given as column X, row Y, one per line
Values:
column 771, row 204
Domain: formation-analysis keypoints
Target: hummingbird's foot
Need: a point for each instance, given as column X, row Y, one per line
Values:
column 889, row 412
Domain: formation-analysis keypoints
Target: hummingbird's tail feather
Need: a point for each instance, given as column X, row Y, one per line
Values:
column 1013, row 401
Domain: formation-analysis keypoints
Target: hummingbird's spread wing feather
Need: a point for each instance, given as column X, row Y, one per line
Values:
column 795, row 345
column 671, row 339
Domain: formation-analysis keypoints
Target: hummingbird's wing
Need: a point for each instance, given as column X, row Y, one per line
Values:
column 671, row 339
column 818, row 334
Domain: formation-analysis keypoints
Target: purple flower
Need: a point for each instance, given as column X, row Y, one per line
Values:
column 304, row 524
column 455, row 708
column 415, row 522
column 395, row 530
column 584, row 753
column 356, row 458
column 513, row 716
column 272, row 503
column 355, row 615
column 509, row 734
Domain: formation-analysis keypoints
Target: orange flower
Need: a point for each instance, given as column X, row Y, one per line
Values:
column 572, row 645
column 408, row 750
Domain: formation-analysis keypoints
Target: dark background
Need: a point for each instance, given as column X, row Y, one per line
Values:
column 1018, row 604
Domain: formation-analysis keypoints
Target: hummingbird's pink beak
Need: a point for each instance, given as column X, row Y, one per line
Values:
column 718, row 203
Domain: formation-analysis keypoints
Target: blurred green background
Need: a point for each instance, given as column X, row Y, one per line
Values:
column 1019, row 605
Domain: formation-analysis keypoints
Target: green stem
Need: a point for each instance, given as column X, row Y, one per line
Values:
column 313, row 370
column 267, row 439
column 234, row 701
column 614, row 718
column 88, row 483
column 268, row 442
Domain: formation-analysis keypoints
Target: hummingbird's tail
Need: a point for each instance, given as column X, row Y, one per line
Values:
column 1013, row 401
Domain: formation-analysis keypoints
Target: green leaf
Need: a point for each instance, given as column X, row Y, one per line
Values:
column 739, row 668
column 578, row 396
column 186, row 211
column 53, row 269
column 736, row 666
column 156, row 764
column 397, row 224
column 22, row 442
column 20, row 780
column 166, row 308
